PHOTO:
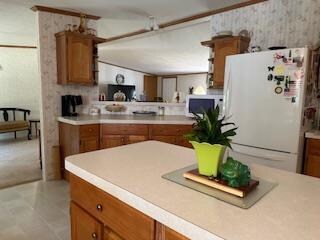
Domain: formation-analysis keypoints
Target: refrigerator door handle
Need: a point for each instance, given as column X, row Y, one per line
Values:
column 226, row 103
column 263, row 156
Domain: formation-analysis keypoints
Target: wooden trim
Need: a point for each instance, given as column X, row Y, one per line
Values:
column 187, row 19
column 126, row 35
column 181, row 74
column 135, row 70
column 63, row 12
column 16, row 46
column 209, row 13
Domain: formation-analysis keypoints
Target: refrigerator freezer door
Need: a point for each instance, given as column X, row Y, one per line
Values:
column 249, row 155
column 264, row 119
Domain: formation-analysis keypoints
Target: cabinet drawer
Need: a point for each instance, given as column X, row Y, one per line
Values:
column 125, row 129
column 90, row 130
column 314, row 146
column 170, row 130
column 126, row 221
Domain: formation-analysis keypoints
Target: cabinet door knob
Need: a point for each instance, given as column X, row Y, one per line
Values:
column 94, row 236
column 99, row 207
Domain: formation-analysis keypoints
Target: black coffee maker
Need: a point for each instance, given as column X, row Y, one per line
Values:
column 68, row 105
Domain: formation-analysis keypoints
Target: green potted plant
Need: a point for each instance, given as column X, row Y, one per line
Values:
column 210, row 141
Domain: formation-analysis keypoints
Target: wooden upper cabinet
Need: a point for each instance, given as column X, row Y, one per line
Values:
column 80, row 60
column 76, row 58
column 221, row 48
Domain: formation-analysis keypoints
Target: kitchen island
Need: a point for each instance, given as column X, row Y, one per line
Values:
column 130, row 178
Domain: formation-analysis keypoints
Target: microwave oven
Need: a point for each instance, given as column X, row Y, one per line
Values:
column 199, row 103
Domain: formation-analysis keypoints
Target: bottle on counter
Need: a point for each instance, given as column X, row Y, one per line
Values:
column 161, row 110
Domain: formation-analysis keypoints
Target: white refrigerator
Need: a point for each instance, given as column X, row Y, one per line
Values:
column 264, row 95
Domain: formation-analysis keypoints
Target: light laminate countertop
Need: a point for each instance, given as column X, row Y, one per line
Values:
column 129, row 119
column 132, row 173
column 315, row 134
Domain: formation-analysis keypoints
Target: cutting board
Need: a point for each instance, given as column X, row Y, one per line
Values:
column 220, row 184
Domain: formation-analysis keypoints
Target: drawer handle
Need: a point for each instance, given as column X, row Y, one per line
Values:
column 94, row 236
column 99, row 207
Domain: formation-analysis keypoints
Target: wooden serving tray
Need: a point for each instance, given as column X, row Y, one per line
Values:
column 220, row 184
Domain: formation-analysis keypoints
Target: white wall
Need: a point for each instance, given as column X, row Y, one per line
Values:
column 19, row 82
column 194, row 80
column 17, row 24
column 107, row 75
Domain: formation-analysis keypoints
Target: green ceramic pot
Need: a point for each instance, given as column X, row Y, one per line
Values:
column 209, row 157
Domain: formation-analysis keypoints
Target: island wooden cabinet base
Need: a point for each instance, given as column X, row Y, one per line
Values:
column 97, row 215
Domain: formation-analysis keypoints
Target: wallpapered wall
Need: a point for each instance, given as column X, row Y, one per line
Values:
column 48, row 25
column 291, row 23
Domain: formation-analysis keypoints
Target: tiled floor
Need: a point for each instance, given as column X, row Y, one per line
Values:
column 38, row 210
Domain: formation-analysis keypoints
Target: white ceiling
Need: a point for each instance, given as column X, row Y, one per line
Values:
column 165, row 52
column 172, row 51
column 132, row 9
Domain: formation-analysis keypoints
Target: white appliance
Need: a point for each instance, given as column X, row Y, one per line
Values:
column 264, row 95
column 199, row 103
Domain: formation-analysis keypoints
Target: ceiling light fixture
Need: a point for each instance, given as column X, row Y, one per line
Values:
column 152, row 24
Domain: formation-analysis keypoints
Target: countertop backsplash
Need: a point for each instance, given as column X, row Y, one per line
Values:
column 170, row 108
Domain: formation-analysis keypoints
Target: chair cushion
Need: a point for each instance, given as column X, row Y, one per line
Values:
column 13, row 125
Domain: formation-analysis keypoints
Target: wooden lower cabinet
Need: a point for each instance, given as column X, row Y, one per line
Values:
column 110, row 235
column 89, row 144
column 83, row 225
column 135, row 139
column 97, row 215
column 76, row 139
column 114, row 135
column 110, row 141
column 166, row 139
column 171, row 134
column 169, row 234
column 312, row 158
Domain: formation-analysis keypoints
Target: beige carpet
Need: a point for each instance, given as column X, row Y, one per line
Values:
column 19, row 161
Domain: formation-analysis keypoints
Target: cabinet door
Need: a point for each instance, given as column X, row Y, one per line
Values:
column 222, row 49
column 181, row 141
column 110, row 141
column 83, row 225
column 111, row 235
column 166, row 139
column 89, row 144
column 313, row 165
column 80, row 60
column 135, row 139
column 169, row 234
